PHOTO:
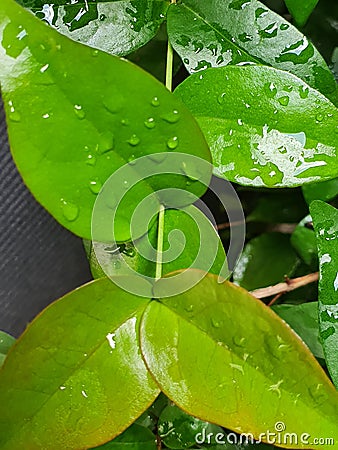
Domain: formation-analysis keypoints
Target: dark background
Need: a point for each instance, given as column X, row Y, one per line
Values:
column 39, row 260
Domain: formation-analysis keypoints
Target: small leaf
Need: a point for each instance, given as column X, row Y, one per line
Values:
column 264, row 127
column 325, row 221
column 325, row 191
column 232, row 361
column 72, row 125
column 301, row 9
column 6, row 342
column 75, row 378
column 303, row 319
column 116, row 27
column 266, row 260
column 134, row 438
column 303, row 240
column 215, row 33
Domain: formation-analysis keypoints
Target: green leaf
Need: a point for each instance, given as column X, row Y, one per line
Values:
column 301, row 9
column 185, row 231
column 264, row 127
column 321, row 191
column 215, row 33
column 116, row 27
column 134, row 438
column 325, row 221
column 265, row 261
column 72, row 125
column 303, row 240
column 304, row 320
column 232, row 361
column 63, row 384
column 6, row 342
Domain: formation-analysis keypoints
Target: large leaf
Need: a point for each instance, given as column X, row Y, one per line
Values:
column 76, row 379
column 265, row 127
column 134, row 438
column 225, row 357
column 215, row 33
column 303, row 240
column 301, row 9
column 325, row 220
column 76, row 115
column 321, row 191
column 115, row 26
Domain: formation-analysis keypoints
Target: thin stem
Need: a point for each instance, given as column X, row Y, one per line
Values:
column 160, row 234
column 170, row 63
column 287, row 286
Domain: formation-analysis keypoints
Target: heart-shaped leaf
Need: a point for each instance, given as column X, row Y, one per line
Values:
column 215, row 33
column 76, row 379
column 117, row 27
column 301, row 9
column 225, row 357
column 325, row 221
column 265, row 127
column 76, row 115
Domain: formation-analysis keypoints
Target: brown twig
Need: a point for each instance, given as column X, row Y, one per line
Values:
column 287, row 286
column 226, row 225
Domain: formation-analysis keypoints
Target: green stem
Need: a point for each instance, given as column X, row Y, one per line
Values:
column 170, row 62
column 160, row 233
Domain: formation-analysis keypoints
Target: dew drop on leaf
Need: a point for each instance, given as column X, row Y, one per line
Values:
column 172, row 143
column 155, row 102
column 79, row 112
column 91, row 160
column 284, row 101
column 172, row 117
column 134, row 140
column 303, row 92
column 69, row 210
column 150, row 123
column 95, row 186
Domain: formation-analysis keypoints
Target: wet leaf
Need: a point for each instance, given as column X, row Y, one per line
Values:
column 301, row 9
column 265, row 261
column 116, row 27
column 71, row 125
column 6, row 342
column 75, row 378
column 232, row 361
column 264, row 127
column 134, row 438
column 303, row 319
column 303, row 240
column 325, row 221
column 321, row 191
column 215, row 33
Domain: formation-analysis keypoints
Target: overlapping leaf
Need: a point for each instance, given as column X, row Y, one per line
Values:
column 265, row 127
column 301, row 9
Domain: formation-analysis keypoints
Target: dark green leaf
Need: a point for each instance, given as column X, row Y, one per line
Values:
column 76, row 379
column 134, row 438
column 215, row 33
column 325, row 221
column 76, row 115
column 264, row 127
column 266, row 260
column 232, row 361
column 117, row 27
column 301, row 9
column 303, row 240
column 304, row 320
column 321, row 191
column 6, row 342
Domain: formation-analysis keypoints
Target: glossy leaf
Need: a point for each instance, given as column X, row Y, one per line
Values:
column 185, row 231
column 325, row 221
column 303, row 319
column 215, row 33
column 134, row 438
column 301, row 9
column 232, row 361
column 76, row 379
column 116, row 27
column 303, row 240
column 6, row 342
column 265, row 260
column 95, row 117
column 264, row 127
column 321, row 191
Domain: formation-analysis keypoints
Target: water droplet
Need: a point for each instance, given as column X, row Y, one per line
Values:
column 303, row 92
column 69, row 210
column 270, row 90
column 125, row 122
column 102, row 17
column 91, row 160
column 172, row 117
column 220, row 99
column 319, row 117
column 46, row 116
column 126, row 184
column 150, row 123
column 245, row 37
column 270, row 31
column 288, row 88
column 189, row 308
column 157, row 157
column 284, row 26
column 186, row 61
column 284, row 101
column 44, row 68
column 261, row 12
column 215, row 323
column 172, row 143
column 79, row 112
column 155, row 102
column 238, row 341
column 116, row 264
column 134, row 140
column 106, row 142
column 131, row 160
column 95, row 186
column 95, row 53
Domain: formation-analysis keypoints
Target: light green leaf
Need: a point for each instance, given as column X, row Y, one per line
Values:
column 134, row 438
column 301, row 9
column 215, row 33
column 325, row 221
column 76, row 115
column 303, row 319
column 116, row 27
column 232, row 361
column 265, row 127
column 76, row 379
column 266, row 260
column 6, row 342
column 321, row 191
